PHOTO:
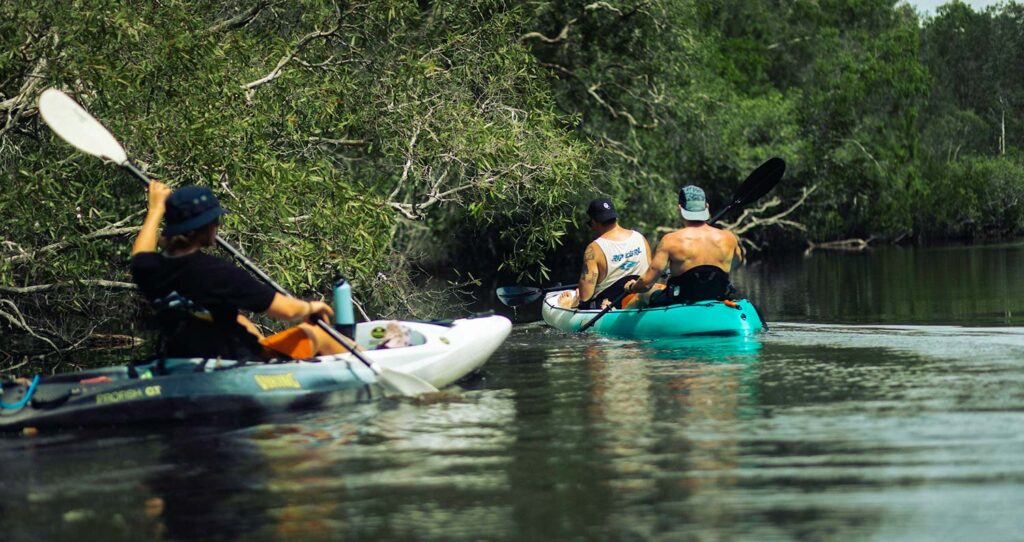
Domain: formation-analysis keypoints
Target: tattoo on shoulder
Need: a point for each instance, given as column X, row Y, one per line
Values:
column 589, row 255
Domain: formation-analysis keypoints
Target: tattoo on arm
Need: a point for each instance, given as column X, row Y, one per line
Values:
column 588, row 276
column 589, row 273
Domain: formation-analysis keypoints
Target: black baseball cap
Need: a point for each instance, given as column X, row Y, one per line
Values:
column 601, row 210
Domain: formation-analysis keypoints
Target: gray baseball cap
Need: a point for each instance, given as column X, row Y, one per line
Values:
column 694, row 203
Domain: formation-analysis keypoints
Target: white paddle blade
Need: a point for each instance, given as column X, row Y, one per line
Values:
column 75, row 125
column 401, row 383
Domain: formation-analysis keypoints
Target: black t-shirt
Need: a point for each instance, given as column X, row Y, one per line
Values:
column 217, row 285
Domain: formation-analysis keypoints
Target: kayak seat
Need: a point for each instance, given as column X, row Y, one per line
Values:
column 54, row 395
column 172, row 312
column 175, row 305
column 702, row 283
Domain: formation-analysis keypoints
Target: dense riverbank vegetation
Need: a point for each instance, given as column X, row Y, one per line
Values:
column 384, row 137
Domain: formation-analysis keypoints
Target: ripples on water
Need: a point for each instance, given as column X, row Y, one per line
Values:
column 811, row 432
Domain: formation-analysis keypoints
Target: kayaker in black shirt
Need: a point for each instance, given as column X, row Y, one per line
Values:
column 216, row 288
column 699, row 257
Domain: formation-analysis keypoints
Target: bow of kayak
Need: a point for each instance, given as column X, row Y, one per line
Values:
column 439, row 354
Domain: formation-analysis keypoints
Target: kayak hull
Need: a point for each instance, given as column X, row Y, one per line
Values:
column 702, row 318
column 112, row 397
column 229, row 391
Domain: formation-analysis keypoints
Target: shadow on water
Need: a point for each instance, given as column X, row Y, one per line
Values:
column 195, row 484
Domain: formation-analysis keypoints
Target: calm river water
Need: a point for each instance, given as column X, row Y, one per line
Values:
column 886, row 403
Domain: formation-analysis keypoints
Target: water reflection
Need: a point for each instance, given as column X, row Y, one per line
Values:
column 956, row 285
column 695, row 392
column 557, row 467
column 813, row 431
column 212, row 488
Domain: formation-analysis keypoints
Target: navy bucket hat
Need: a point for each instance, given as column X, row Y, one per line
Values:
column 189, row 208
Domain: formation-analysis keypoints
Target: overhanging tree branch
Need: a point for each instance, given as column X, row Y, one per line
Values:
column 16, row 319
column 240, row 20
column 22, row 104
column 562, row 36
column 42, row 288
column 111, row 230
column 250, row 88
column 750, row 218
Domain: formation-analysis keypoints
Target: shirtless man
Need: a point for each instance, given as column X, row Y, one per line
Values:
column 615, row 257
column 698, row 256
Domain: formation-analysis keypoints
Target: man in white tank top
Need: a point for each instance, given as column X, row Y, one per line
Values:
column 615, row 257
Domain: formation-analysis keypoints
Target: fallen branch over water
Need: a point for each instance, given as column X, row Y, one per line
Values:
column 855, row 244
column 15, row 318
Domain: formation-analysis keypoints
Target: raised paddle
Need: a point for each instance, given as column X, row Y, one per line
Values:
column 758, row 183
column 75, row 125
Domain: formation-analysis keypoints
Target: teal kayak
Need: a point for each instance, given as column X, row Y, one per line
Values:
column 739, row 317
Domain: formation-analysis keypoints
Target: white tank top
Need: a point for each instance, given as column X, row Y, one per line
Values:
column 627, row 257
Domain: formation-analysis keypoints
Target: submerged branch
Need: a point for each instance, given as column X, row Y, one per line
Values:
column 854, row 245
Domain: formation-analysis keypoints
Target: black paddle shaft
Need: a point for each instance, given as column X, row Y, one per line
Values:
column 251, row 267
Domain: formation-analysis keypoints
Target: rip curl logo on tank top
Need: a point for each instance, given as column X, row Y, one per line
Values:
column 628, row 264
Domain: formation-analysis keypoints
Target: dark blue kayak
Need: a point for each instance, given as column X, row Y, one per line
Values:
column 214, row 390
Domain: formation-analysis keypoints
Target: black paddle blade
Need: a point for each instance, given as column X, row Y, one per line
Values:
column 517, row 296
column 760, row 181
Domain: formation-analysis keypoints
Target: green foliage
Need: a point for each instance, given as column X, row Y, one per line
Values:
column 976, row 197
column 387, row 137
column 377, row 121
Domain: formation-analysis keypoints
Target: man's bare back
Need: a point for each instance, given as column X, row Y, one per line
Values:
column 691, row 246
column 696, row 245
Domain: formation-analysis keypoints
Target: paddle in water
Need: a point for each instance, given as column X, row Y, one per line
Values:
column 77, row 127
column 757, row 184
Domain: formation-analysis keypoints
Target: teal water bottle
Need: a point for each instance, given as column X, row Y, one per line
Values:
column 344, row 318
